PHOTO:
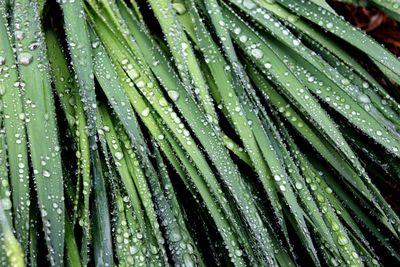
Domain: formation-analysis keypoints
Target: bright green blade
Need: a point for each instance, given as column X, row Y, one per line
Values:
column 39, row 115
column 15, row 134
column 79, row 45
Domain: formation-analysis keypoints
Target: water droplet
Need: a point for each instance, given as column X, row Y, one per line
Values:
column 2, row 61
column 238, row 252
column 257, row 53
column 6, row 203
column 133, row 250
column 268, row 65
column 277, row 177
column 243, row 38
column 249, row 4
column 119, row 155
column 296, row 42
column 163, row 102
column 328, row 190
column 299, row 185
column 19, row 35
column 345, row 81
column 33, row 46
column 313, row 187
column 95, row 44
column 175, row 235
column 25, row 58
column 237, row 30
column 186, row 133
column 342, row 240
column 140, row 84
column 21, row 116
column 365, row 85
column 184, row 46
column 145, row 112
column 292, row 18
column 364, row 99
column 174, row 95
column 46, row 173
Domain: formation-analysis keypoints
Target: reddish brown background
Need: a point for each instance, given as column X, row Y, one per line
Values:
column 381, row 27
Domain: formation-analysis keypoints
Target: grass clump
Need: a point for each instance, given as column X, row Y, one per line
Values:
column 194, row 133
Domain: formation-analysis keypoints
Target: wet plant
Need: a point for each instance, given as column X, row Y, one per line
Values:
column 195, row 133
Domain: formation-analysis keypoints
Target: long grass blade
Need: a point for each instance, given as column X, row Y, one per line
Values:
column 345, row 31
column 40, row 119
column 15, row 134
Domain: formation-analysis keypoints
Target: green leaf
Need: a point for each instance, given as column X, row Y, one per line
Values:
column 344, row 30
column 39, row 115
column 15, row 134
